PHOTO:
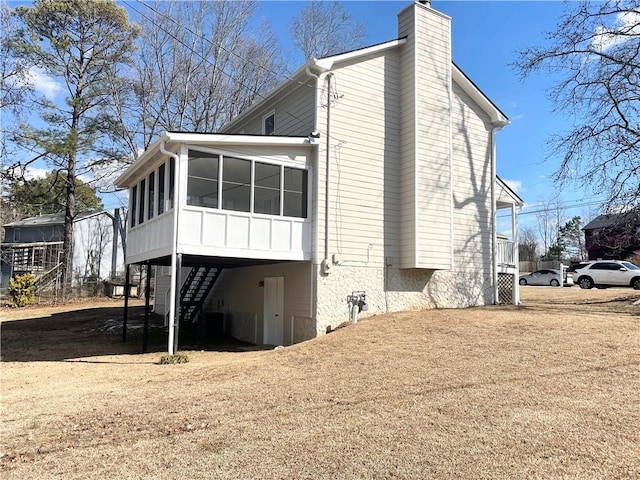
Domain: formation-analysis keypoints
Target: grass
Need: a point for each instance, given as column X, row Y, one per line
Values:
column 546, row 390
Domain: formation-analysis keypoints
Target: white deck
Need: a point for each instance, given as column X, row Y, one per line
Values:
column 220, row 233
column 205, row 231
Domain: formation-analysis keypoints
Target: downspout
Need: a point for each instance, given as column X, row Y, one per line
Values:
column 316, row 186
column 494, row 228
column 174, row 249
column 326, row 262
column 316, row 179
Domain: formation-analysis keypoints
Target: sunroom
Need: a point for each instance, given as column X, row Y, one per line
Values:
column 216, row 201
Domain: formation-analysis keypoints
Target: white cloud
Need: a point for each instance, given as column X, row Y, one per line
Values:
column 515, row 185
column 43, row 83
column 627, row 23
column 31, row 173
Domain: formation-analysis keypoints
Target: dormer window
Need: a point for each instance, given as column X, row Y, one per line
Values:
column 269, row 123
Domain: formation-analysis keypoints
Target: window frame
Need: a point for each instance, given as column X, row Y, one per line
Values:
column 266, row 117
column 223, row 155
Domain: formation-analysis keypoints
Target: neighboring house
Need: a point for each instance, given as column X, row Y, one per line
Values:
column 34, row 245
column 613, row 236
column 367, row 177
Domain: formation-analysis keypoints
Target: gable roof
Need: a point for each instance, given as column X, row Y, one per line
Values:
column 613, row 220
column 50, row 219
column 325, row 64
column 509, row 192
column 319, row 65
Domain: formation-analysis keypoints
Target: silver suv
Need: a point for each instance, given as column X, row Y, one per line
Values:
column 608, row 273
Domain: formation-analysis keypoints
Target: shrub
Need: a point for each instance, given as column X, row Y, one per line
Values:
column 22, row 290
column 167, row 359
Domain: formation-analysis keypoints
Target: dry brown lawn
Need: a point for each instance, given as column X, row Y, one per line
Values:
column 546, row 390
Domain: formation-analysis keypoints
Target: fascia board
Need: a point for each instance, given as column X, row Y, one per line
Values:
column 212, row 139
column 327, row 63
column 300, row 75
column 121, row 181
column 497, row 117
column 506, row 189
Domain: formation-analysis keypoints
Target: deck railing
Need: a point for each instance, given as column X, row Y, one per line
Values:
column 506, row 252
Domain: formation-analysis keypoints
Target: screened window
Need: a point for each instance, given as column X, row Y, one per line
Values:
column 229, row 183
column 161, row 189
column 236, row 184
column 295, row 192
column 202, row 183
column 141, row 209
column 266, row 195
column 152, row 194
column 134, row 201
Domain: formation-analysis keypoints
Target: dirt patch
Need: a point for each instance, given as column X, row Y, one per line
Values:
column 545, row 390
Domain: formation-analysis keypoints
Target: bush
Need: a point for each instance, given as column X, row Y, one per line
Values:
column 22, row 290
column 167, row 359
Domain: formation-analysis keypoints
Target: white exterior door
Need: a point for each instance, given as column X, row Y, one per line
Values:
column 273, row 310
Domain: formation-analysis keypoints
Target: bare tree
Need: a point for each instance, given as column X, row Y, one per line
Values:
column 16, row 89
column 528, row 245
column 325, row 28
column 549, row 217
column 595, row 51
column 199, row 65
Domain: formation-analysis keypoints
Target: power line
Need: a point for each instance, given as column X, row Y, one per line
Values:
column 556, row 207
column 202, row 57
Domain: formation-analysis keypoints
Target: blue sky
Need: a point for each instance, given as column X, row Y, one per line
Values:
column 486, row 38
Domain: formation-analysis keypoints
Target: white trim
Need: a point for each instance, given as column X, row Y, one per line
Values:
column 171, row 138
column 510, row 193
column 328, row 63
column 299, row 77
column 497, row 117
column 416, row 184
column 451, row 179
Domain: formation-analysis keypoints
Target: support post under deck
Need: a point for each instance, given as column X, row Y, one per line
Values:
column 126, row 304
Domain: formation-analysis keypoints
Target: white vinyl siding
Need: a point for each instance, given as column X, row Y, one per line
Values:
column 364, row 201
column 426, row 178
column 408, row 142
column 293, row 113
column 472, row 185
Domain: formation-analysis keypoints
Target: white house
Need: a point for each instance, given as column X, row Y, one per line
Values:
column 367, row 177
column 34, row 245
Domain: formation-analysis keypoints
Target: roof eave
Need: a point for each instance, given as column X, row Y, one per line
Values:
column 516, row 198
column 498, row 118
column 318, row 66
column 171, row 139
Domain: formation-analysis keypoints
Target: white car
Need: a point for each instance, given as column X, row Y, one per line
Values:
column 609, row 273
column 546, row 277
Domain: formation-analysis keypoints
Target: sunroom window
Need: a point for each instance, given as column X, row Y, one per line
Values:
column 134, row 201
column 266, row 197
column 295, row 192
column 142, row 193
column 236, row 184
column 202, row 184
column 246, row 185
